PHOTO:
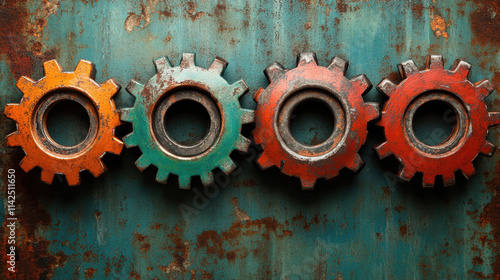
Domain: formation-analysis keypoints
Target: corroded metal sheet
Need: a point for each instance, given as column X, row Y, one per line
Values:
column 253, row 224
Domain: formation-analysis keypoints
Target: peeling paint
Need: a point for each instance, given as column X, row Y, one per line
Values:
column 439, row 25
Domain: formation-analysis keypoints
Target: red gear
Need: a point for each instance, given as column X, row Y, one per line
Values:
column 310, row 81
column 469, row 136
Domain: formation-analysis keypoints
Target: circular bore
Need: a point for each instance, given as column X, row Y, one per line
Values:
column 459, row 130
column 285, row 115
column 166, row 141
column 40, row 121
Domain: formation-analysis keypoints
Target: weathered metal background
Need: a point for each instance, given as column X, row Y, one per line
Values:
column 125, row 225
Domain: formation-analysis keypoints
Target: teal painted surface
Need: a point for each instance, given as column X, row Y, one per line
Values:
column 259, row 224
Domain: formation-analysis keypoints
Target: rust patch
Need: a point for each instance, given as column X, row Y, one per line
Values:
column 418, row 10
column 491, row 216
column 89, row 272
column 485, row 22
column 180, row 253
column 134, row 275
column 136, row 20
column 403, row 229
column 23, row 52
column 212, row 242
column 191, row 11
column 240, row 214
column 89, row 255
column 439, row 24
column 142, row 242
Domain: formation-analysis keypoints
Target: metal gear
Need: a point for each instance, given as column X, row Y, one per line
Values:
column 40, row 97
column 468, row 137
column 204, row 86
column 290, row 87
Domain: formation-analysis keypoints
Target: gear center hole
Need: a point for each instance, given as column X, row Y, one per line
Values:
column 311, row 122
column 67, row 123
column 187, row 122
column 434, row 122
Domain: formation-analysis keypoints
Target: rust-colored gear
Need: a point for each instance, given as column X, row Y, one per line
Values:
column 39, row 97
column 309, row 81
column 468, row 138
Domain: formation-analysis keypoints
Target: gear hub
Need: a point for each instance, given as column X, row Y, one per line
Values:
column 31, row 114
column 290, row 87
column 468, row 137
column 203, row 86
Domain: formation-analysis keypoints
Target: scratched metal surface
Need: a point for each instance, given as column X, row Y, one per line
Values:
column 366, row 226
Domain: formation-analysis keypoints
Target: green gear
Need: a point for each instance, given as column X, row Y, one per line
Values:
column 167, row 81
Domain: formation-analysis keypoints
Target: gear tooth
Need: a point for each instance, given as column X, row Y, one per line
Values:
column 97, row 168
column 274, row 71
column 188, row 60
column 307, row 183
column 428, row 180
column 12, row 111
column 362, row 83
column 162, row 64
column 264, row 161
column 207, row 178
column 110, row 88
column 218, row 65
column 383, row 119
column 116, row 146
column 494, row 118
column 386, row 87
column 448, row 179
column 461, row 68
column 134, row 88
column 383, row 150
column 357, row 164
column 338, row 64
column 73, row 178
column 242, row 144
column 184, row 182
column 468, row 171
column 27, row 164
column 85, row 68
column 52, row 67
column 162, row 176
column 488, row 149
column 407, row 69
column 125, row 114
column 434, row 62
column 406, row 173
column 25, row 84
column 47, row 176
column 13, row 140
column 227, row 165
column 247, row 116
column 239, row 88
column 484, row 88
column 306, row 58
column 129, row 141
column 142, row 163
column 257, row 95
column 372, row 110
column 334, row 173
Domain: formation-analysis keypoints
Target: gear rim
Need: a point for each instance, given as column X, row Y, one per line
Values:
column 62, row 160
column 436, row 78
column 169, row 79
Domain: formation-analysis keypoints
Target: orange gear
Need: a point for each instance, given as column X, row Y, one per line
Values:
column 39, row 97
